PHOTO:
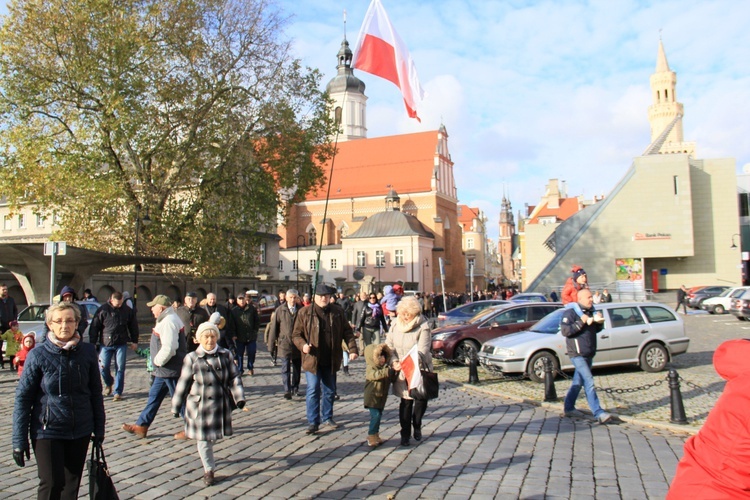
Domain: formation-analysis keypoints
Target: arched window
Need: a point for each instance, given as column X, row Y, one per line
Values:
column 658, row 96
column 666, row 95
column 337, row 115
column 312, row 236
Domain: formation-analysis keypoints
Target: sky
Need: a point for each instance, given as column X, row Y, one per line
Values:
column 534, row 90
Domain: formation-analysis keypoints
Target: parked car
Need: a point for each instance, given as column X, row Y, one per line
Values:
column 266, row 305
column 462, row 313
column 740, row 307
column 723, row 302
column 529, row 297
column 462, row 342
column 694, row 298
column 32, row 317
column 646, row 334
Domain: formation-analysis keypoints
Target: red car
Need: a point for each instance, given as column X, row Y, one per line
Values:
column 462, row 342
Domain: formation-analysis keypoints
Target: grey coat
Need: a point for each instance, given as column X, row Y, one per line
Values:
column 208, row 414
column 280, row 331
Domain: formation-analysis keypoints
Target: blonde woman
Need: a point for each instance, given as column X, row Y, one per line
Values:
column 209, row 378
column 408, row 329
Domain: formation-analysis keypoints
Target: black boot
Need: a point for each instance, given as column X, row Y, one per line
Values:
column 346, row 369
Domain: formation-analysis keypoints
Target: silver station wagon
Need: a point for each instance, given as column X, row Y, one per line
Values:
column 646, row 334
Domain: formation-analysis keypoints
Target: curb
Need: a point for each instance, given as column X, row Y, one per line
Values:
column 675, row 428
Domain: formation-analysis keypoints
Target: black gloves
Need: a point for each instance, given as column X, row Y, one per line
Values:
column 18, row 457
column 97, row 440
column 240, row 405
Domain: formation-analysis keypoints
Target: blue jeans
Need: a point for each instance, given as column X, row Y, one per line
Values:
column 375, row 415
column 249, row 348
column 105, row 361
column 321, row 386
column 290, row 373
column 159, row 390
column 583, row 378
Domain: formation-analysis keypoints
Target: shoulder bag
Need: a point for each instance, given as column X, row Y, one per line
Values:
column 101, row 486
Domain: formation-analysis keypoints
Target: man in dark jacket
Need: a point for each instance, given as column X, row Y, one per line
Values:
column 346, row 305
column 168, row 350
column 245, row 324
column 226, row 333
column 8, row 309
column 319, row 331
column 280, row 333
column 580, row 333
column 113, row 327
column 67, row 294
column 195, row 315
column 682, row 299
column 358, row 309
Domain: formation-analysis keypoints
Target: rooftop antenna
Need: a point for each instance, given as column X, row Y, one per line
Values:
column 345, row 24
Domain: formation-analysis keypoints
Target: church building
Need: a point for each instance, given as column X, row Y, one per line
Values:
column 409, row 177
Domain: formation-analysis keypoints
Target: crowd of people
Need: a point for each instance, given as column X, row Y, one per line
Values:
column 199, row 352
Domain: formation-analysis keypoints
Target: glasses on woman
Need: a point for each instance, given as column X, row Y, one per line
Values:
column 373, row 297
column 64, row 321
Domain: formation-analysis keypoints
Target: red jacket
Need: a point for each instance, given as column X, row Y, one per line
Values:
column 570, row 291
column 715, row 461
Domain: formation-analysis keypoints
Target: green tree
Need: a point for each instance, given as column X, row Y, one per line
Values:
column 192, row 111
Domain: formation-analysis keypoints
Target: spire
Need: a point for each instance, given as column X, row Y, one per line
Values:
column 348, row 94
column 661, row 59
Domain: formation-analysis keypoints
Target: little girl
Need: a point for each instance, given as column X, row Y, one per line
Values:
column 27, row 344
column 377, row 383
column 12, row 339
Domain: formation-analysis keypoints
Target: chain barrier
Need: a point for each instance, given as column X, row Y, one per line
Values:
column 696, row 386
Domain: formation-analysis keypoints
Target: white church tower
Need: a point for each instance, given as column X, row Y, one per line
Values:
column 348, row 94
column 665, row 114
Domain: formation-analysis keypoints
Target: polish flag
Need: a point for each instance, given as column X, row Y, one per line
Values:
column 410, row 367
column 381, row 52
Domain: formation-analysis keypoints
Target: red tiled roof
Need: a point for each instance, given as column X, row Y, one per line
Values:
column 365, row 167
column 568, row 207
column 467, row 216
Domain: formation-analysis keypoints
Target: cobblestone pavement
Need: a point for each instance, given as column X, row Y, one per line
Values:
column 700, row 384
column 476, row 445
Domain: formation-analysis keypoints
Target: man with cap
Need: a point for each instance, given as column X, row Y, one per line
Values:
column 196, row 315
column 168, row 349
column 67, row 294
column 318, row 333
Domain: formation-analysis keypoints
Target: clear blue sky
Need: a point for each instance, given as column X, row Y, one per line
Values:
column 533, row 90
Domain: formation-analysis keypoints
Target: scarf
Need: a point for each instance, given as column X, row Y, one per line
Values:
column 407, row 327
column 70, row 344
column 212, row 351
column 376, row 311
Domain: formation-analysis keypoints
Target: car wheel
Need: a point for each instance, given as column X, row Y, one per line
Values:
column 741, row 318
column 535, row 370
column 718, row 309
column 654, row 358
column 466, row 351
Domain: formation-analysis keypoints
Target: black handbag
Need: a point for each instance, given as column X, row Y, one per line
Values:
column 101, row 486
column 430, row 384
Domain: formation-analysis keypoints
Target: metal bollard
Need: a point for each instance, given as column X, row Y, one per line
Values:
column 550, row 394
column 473, row 372
column 675, row 399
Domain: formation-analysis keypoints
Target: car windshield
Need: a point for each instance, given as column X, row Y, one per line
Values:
column 726, row 292
column 482, row 315
column 549, row 324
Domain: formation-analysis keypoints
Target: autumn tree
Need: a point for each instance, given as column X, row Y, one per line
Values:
column 193, row 111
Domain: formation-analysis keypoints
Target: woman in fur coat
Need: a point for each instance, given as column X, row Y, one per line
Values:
column 409, row 328
column 208, row 380
column 377, row 383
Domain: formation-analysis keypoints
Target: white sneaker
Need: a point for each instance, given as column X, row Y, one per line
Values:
column 604, row 417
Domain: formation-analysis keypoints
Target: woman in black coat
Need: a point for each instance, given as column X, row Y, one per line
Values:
column 371, row 321
column 59, row 404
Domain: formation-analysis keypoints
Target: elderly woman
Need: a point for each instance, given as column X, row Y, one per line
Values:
column 210, row 386
column 59, row 403
column 408, row 329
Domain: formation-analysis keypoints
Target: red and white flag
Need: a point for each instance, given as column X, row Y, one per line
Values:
column 381, row 52
column 410, row 368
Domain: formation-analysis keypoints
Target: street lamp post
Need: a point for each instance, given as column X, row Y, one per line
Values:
column 303, row 242
column 146, row 221
column 426, row 265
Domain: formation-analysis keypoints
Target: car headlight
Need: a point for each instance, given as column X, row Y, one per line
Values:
column 442, row 335
column 502, row 351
